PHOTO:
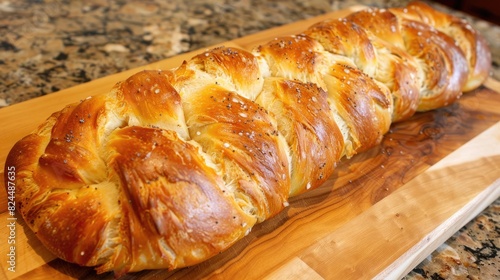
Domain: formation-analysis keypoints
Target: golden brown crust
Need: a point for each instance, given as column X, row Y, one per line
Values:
column 172, row 167
column 472, row 44
column 396, row 68
column 316, row 142
column 362, row 104
column 345, row 38
column 152, row 100
column 244, row 142
column 443, row 62
column 173, row 204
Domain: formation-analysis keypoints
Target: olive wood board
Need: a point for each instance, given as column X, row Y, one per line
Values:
column 380, row 214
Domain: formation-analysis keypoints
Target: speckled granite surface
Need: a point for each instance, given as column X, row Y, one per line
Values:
column 471, row 253
column 46, row 46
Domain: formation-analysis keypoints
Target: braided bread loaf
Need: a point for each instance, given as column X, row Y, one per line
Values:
column 172, row 167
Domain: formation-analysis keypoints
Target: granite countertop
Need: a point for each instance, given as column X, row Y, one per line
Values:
column 47, row 46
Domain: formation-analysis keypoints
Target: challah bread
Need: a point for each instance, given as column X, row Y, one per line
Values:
column 172, row 167
column 472, row 44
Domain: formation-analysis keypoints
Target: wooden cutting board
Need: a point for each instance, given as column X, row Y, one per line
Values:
column 379, row 215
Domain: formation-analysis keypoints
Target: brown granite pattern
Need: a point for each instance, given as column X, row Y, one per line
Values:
column 50, row 45
column 472, row 253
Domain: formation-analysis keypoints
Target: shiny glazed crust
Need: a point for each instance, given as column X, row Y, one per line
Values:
column 172, row 167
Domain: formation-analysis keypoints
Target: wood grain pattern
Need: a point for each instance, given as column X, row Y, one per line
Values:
column 379, row 214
